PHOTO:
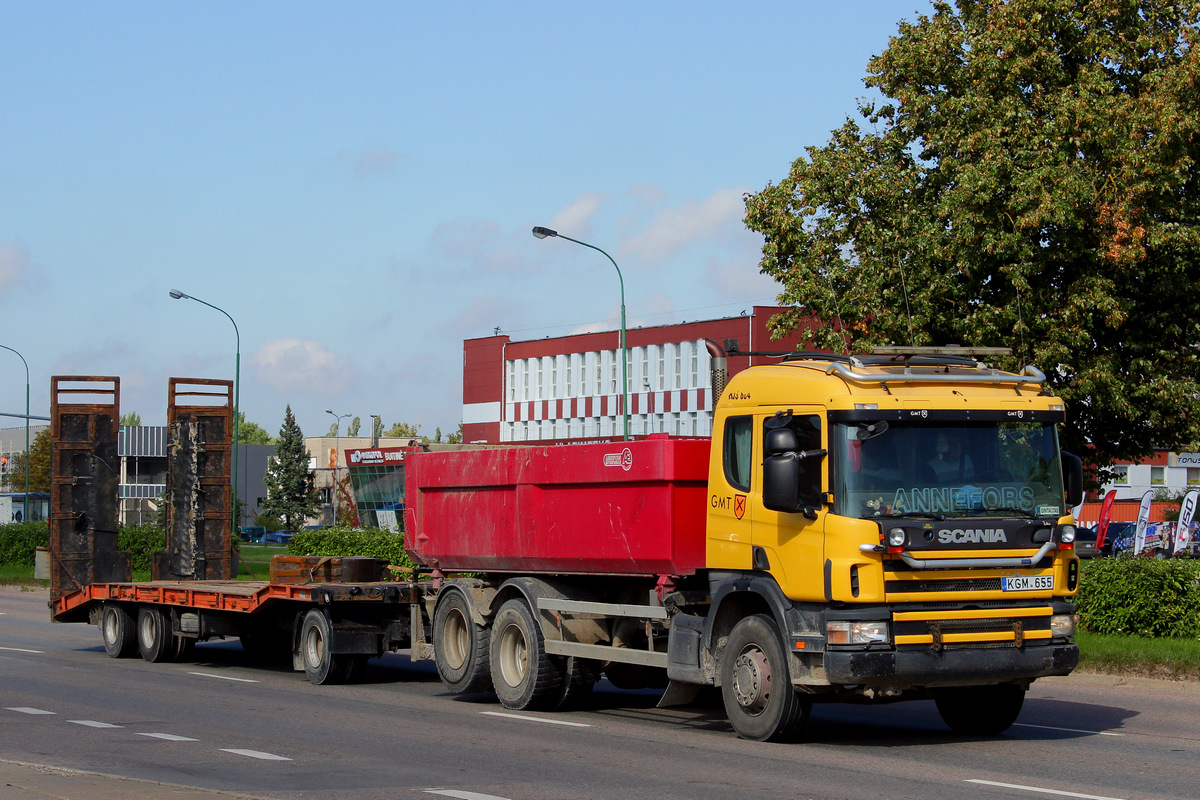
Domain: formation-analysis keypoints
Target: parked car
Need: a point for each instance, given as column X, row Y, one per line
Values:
column 1085, row 542
column 252, row 533
column 278, row 537
column 1119, row 538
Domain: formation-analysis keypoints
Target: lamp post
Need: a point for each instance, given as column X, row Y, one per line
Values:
column 237, row 386
column 25, row 511
column 337, row 443
column 542, row 233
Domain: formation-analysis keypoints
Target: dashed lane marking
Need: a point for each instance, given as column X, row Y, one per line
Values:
column 1068, row 730
column 536, row 719
column 223, row 677
column 255, row 754
column 459, row 795
column 28, row 710
column 91, row 723
column 1042, row 790
column 21, row 650
column 169, row 737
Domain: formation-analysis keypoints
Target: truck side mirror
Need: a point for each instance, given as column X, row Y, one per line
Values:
column 1073, row 473
column 787, row 485
column 779, row 441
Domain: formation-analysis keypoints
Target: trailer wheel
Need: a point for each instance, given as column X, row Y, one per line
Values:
column 119, row 631
column 980, row 710
column 523, row 675
column 320, row 665
column 759, row 698
column 155, row 641
column 461, row 648
column 579, row 678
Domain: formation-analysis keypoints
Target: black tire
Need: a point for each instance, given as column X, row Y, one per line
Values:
column 119, row 631
column 760, row 700
column 320, row 665
column 579, row 678
column 155, row 641
column 461, row 648
column 183, row 648
column 358, row 668
column 524, row 677
column 981, row 710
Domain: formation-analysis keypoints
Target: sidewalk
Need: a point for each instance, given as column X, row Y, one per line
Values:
column 22, row 781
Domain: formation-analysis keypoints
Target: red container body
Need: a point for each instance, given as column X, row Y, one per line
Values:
column 621, row 508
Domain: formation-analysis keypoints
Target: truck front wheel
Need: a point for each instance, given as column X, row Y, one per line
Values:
column 119, row 631
column 461, row 648
column 524, row 676
column 980, row 710
column 321, row 666
column 759, row 698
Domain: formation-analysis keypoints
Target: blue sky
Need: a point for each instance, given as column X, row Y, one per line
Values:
column 355, row 183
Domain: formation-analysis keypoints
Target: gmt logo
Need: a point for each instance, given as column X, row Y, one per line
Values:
column 971, row 535
column 623, row 459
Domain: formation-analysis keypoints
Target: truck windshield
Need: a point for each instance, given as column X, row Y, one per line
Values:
column 947, row 469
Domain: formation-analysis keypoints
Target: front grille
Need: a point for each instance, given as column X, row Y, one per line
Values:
column 956, row 585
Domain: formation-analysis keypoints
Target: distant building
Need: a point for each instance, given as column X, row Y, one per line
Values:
column 566, row 388
column 12, row 444
column 1173, row 473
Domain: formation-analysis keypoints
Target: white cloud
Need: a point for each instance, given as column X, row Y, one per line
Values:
column 291, row 365
column 16, row 267
column 368, row 161
column 575, row 219
column 718, row 216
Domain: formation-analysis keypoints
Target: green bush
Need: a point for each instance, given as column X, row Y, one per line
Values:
column 1140, row 596
column 19, row 540
column 373, row 542
column 140, row 541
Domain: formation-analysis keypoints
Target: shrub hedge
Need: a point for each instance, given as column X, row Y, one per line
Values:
column 373, row 542
column 19, row 541
column 1140, row 596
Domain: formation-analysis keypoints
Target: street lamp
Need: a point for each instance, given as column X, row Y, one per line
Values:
column 542, row 233
column 237, row 386
column 25, row 512
column 337, row 442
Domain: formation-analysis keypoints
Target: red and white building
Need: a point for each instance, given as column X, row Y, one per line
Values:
column 568, row 388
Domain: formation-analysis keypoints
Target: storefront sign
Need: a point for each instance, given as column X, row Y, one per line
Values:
column 376, row 455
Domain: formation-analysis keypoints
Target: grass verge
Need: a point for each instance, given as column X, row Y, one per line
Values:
column 1171, row 659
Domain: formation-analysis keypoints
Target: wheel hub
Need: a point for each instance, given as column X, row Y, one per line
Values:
column 752, row 680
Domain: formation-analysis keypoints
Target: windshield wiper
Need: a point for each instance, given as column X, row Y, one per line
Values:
column 981, row 512
column 910, row 515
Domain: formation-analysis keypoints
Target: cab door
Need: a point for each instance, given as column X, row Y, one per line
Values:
column 731, row 482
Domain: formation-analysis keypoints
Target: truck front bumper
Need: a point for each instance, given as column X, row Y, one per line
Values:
column 912, row 668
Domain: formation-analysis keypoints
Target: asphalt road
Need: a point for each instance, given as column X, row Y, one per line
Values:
column 222, row 723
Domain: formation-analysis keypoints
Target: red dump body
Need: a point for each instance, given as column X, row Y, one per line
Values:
column 628, row 508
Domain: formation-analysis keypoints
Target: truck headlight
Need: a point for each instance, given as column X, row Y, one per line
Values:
column 1063, row 625
column 896, row 537
column 847, row 631
column 1066, row 534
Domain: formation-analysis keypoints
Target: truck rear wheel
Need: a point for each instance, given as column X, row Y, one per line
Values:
column 981, row 710
column 155, row 641
column 461, row 648
column 320, row 664
column 119, row 631
column 524, row 676
column 759, row 698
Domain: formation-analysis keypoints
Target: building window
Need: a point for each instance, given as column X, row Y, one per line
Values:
column 1121, row 475
column 512, row 381
column 553, row 377
column 1158, row 476
column 677, row 351
column 570, row 363
column 1193, row 476
column 662, row 367
column 525, row 380
column 695, row 365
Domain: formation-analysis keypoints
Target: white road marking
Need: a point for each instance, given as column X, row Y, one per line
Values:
column 91, row 723
column 536, row 719
column 21, row 650
column 28, row 710
column 1043, row 790
column 169, row 737
column 1069, row 730
column 463, row 795
column 255, row 754
column 223, row 677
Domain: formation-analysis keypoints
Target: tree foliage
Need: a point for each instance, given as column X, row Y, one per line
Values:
column 404, row 430
column 132, row 419
column 1029, row 178
column 251, row 432
column 39, row 465
column 290, row 493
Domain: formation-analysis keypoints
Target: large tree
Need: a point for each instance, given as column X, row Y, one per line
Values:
column 39, row 465
column 290, row 493
column 1028, row 177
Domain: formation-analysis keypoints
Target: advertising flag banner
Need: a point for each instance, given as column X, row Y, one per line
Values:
column 1187, row 511
column 1139, row 541
column 1105, row 516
